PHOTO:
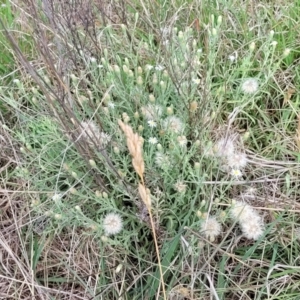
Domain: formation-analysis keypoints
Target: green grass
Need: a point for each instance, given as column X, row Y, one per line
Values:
column 175, row 74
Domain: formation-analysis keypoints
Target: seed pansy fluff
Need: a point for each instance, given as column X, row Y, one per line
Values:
column 237, row 160
column 250, row 85
column 173, row 124
column 249, row 220
column 253, row 229
column 112, row 224
column 162, row 160
column 211, row 228
column 224, row 147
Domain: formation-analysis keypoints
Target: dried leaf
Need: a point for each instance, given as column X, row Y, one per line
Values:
column 288, row 95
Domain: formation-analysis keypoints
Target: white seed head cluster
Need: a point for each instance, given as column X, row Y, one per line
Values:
column 224, row 147
column 112, row 224
column 249, row 220
column 162, row 160
column 173, row 124
column 90, row 131
column 211, row 228
column 250, row 85
column 233, row 160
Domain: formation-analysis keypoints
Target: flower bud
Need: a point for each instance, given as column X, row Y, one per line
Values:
column 74, row 174
column 193, row 106
column 286, row 52
column 151, row 98
column 73, row 191
column 92, row 163
column 116, row 68
column 252, row 46
column 116, row 150
column 199, row 213
column 170, row 110
column 139, row 80
column 197, row 165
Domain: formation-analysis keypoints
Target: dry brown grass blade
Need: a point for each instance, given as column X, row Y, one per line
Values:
column 145, row 196
column 135, row 144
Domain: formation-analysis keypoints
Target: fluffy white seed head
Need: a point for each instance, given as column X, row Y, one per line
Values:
column 241, row 211
column 153, row 140
column 112, row 224
column 252, row 228
column 237, row 160
column 250, row 86
column 249, row 220
column 173, row 124
column 162, row 160
column 224, row 147
column 211, row 228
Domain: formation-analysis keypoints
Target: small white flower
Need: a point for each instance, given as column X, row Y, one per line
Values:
column 159, row 67
column 174, row 124
column 231, row 58
column 182, row 141
column 236, row 173
column 111, row 105
column 211, row 228
column 104, row 138
column 152, row 123
column 112, row 224
column 250, row 86
column 153, row 140
column 57, row 197
column 148, row 67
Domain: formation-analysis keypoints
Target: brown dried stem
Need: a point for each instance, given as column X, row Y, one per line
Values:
column 135, row 147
